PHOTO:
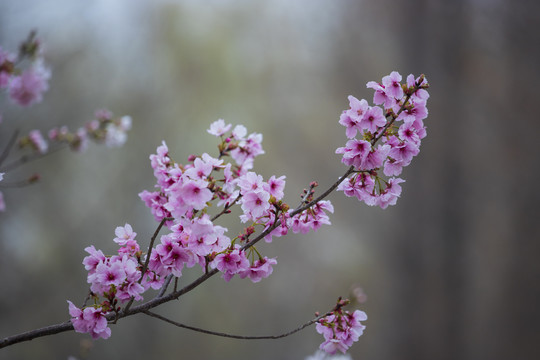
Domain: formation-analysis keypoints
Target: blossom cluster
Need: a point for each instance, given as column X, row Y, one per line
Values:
column 340, row 329
column 115, row 278
column 389, row 136
column 24, row 84
column 182, row 202
column 188, row 199
column 24, row 77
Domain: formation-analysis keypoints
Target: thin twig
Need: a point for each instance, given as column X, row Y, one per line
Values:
column 242, row 337
column 226, row 208
column 9, row 146
column 145, row 266
column 30, row 335
column 54, row 329
column 165, row 285
column 28, row 158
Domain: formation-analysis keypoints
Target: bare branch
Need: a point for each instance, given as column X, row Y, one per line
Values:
column 241, row 337
column 30, row 335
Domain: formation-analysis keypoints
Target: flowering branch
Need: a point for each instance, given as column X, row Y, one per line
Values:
column 186, row 192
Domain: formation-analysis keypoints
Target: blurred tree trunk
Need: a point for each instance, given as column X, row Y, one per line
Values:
column 462, row 253
column 472, row 285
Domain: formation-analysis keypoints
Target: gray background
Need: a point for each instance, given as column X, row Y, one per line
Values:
column 451, row 272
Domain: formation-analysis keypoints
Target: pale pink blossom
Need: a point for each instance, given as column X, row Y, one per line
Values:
column 28, row 88
column 255, row 204
column 392, row 85
column 275, row 186
column 38, row 141
column 219, row 128
column 124, row 234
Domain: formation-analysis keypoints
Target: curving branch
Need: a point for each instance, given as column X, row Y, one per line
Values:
column 145, row 307
column 241, row 337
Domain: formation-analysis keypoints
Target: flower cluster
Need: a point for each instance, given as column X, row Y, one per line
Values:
column 25, row 85
column 105, row 128
column 185, row 194
column 340, row 329
column 24, row 77
column 115, row 278
column 389, row 137
column 90, row 320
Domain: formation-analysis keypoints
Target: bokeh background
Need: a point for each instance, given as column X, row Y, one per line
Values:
column 451, row 272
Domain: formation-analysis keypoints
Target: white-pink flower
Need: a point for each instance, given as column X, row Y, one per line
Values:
column 219, row 128
column 28, row 88
column 38, row 141
column 124, row 234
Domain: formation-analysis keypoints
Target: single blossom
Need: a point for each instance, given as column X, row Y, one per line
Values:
column 219, row 128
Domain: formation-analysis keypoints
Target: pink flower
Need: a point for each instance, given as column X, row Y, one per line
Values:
column 156, row 202
column 352, row 117
column 231, row 263
column 38, row 141
column 373, row 119
column 219, row 128
column 193, row 193
column 355, row 153
column 172, row 255
column 28, row 88
column 200, row 169
column 90, row 320
column 110, row 273
column 124, row 234
column 392, row 85
column 260, row 269
column 379, row 97
column 340, row 330
column 250, row 181
column 255, row 204
column 404, row 152
column 275, row 186
column 91, row 262
column 419, row 94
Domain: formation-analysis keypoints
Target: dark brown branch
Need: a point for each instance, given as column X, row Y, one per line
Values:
column 28, row 158
column 54, row 329
column 241, row 337
column 226, row 208
column 30, row 335
column 149, row 252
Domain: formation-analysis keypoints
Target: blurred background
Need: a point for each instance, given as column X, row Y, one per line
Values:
column 450, row 272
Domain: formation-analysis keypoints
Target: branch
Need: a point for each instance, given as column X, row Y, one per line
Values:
column 150, row 247
column 242, row 337
column 30, row 335
column 145, row 307
column 28, row 158
column 9, row 146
